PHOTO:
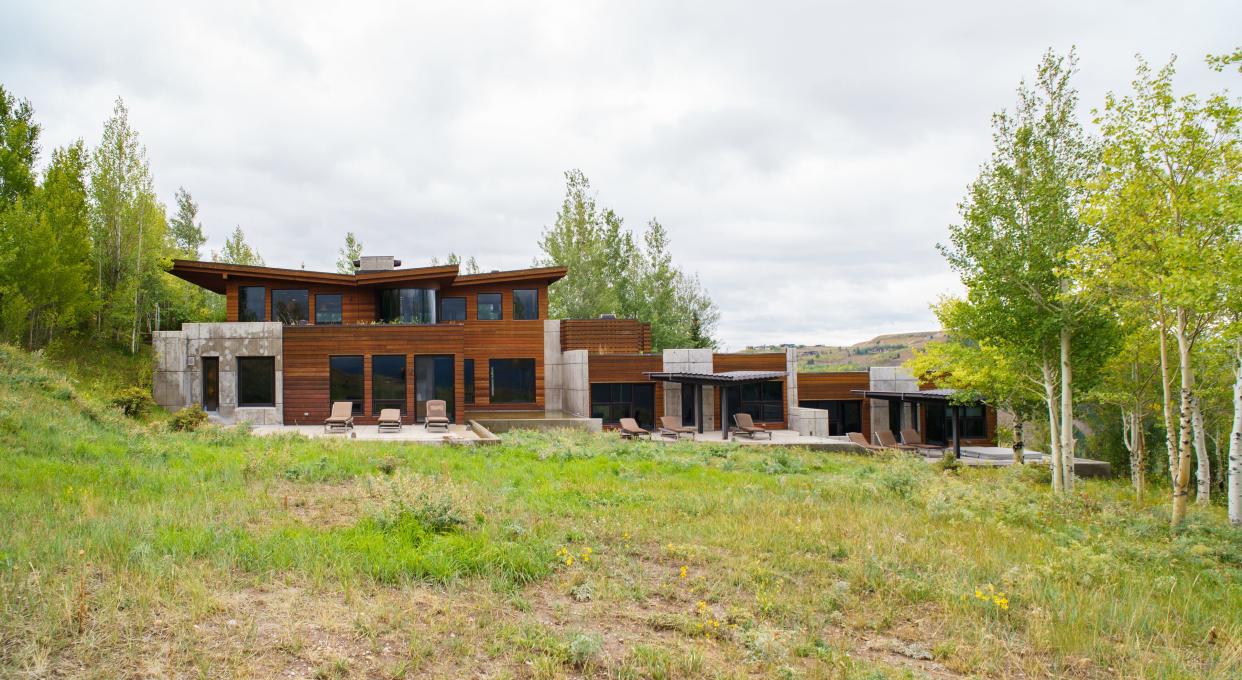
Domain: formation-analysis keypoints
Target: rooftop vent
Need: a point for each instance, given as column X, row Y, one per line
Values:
column 376, row 263
column 608, row 315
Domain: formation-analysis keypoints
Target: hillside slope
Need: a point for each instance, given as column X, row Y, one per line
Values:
column 882, row 350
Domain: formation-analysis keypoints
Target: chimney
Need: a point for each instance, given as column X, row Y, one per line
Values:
column 376, row 263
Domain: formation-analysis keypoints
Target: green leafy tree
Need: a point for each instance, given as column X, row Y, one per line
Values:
column 19, row 147
column 351, row 251
column 186, row 230
column 237, row 251
column 466, row 265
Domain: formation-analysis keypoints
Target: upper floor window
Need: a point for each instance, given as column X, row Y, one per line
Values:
column 291, row 307
column 250, row 303
column 453, row 309
column 407, row 305
column 489, row 307
column 328, row 309
column 526, row 304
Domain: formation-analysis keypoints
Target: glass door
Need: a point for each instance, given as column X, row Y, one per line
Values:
column 433, row 377
column 937, row 428
column 211, row 383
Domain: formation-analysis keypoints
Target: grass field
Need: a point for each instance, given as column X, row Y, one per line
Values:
column 129, row 550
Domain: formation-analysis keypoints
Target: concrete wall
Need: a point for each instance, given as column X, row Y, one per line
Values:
column 889, row 379
column 553, row 382
column 689, row 361
column 575, row 383
column 791, row 392
column 177, row 377
column 811, row 422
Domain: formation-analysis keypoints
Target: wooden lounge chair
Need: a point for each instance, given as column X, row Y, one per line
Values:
column 746, row 426
column 911, row 437
column 630, row 429
column 670, row 426
column 390, row 420
column 342, row 417
column 888, row 441
column 437, row 415
column 857, row 438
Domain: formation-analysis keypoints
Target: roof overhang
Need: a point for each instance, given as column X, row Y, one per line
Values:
column 924, row 396
column 214, row 275
column 725, row 378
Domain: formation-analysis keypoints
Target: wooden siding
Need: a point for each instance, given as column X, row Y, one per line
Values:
column 606, row 336
column 357, row 304
column 838, row 386
column 770, row 361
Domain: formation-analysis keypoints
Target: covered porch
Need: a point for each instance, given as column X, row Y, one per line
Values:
column 936, row 401
column 697, row 381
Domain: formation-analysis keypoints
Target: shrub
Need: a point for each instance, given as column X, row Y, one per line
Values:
column 584, row 649
column 188, row 419
column 949, row 462
column 134, row 402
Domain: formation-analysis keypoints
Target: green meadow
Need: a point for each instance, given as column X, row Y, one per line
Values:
column 128, row 549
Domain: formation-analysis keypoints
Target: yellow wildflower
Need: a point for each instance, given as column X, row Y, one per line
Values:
column 683, row 571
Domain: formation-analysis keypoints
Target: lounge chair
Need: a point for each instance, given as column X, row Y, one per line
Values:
column 670, row 426
column 858, row 439
column 342, row 417
column 437, row 415
column 911, row 437
column 746, row 426
column 888, row 441
column 630, row 429
column 390, row 420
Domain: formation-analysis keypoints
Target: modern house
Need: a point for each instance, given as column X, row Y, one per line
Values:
column 296, row 341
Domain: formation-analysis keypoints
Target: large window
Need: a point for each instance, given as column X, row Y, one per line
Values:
column 611, row 402
column 974, row 424
column 453, row 309
column 328, row 309
column 290, row 307
column 250, row 303
column 763, row 401
column 469, row 380
column 844, row 415
column 511, row 381
column 388, row 382
column 489, row 307
column 433, row 376
column 345, row 381
column 256, row 381
column 526, row 304
column 407, row 305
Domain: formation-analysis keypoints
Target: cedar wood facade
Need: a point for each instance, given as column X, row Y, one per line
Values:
column 294, row 341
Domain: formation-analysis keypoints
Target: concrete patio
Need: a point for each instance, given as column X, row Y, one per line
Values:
column 457, row 434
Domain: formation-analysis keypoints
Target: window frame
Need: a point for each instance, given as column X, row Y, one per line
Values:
column 241, row 380
column 465, row 313
column 535, row 310
column 478, row 306
column 359, row 405
column 759, row 403
column 623, row 402
column 430, row 311
column 378, row 403
column 272, row 305
column 340, row 308
column 491, row 381
column 243, row 304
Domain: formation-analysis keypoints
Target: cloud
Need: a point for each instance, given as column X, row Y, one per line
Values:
column 805, row 157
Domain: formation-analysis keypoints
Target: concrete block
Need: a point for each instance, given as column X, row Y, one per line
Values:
column 674, row 359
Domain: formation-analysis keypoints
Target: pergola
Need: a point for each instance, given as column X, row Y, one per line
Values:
column 725, row 379
column 942, row 396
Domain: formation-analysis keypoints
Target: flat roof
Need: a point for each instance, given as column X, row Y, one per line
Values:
column 724, row 378
column 937, row 395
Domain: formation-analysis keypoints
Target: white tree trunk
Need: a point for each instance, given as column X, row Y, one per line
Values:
column 1067, row 412
column 1235, row 442
column 1203, row 489
column 1054, row 427
column 1019, row 455
column 1166, row 403
column 1181, row 488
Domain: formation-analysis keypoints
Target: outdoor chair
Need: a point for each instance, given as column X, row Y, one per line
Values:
column 437, row 415
column 342, row 417
column 911, row 437
column 858, row 439
column 390, row 420
column 670, row 426
column 746, row 426
column 630, row 429
column 888, row 441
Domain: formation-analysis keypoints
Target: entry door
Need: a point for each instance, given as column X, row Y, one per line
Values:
column 937, row 431
column 434, row 379
column 211, row 383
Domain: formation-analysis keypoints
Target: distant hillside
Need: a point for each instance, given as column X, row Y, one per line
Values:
column 883, row 350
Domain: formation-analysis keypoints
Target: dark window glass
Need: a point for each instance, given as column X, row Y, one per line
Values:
column 290, row 307
column 453, row 309
column 407, row 305
column 613, row 401
column 489, row 307
column 328, row 309
column 511, row 381
column 434, row 380
column 974, row 425
column 345, row 381
column 526, row 304
column 469, row 378
column 763, row 401
column 250, row 303
column 388, row 382
column 844, row 416
column 256, row 381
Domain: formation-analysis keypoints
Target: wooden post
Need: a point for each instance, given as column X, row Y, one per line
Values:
column 724, row 413
column 957, row 432
column 698, row 405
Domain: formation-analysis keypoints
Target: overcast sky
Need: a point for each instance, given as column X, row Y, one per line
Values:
column 805, row 157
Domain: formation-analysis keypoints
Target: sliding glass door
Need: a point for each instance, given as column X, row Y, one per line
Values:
column 434, row 379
